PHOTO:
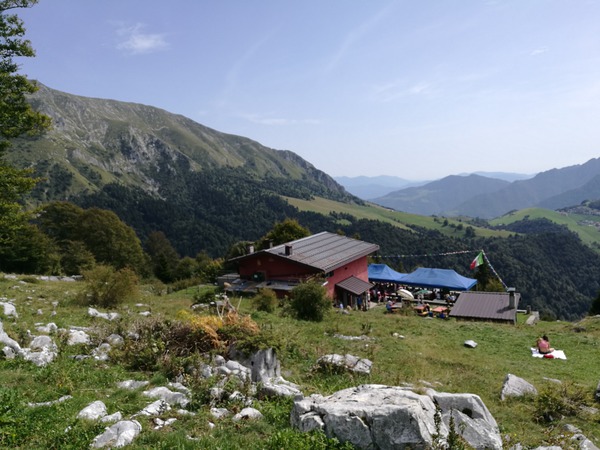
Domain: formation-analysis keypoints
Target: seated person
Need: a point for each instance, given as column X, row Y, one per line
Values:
column 543, row 345
column 426, row 310
column 388, row 306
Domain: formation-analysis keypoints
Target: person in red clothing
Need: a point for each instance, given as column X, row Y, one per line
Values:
column 543, row 345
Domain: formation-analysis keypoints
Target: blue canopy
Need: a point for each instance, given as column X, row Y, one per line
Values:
column 438, row 278
column 384, row 274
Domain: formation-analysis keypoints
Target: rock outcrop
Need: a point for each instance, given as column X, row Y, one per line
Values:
column 377, row 416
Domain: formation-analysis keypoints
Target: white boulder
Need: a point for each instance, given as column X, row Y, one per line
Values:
column 94, row 411
column 515, row 386
column 378, row 416
column 118, row 435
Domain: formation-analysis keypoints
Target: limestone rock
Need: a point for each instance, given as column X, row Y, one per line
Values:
column 219, row 413
column 112, row 418
column 533, row 318
column 132, row 384
column 377, row 416
column 92, row 312
column 9, row 310
column 64, row 398
column 115, row 340
column 41, row 358
column 94, row 411
column 78, row 337
column 248, row 414
column 48, row 328
column 516, row 387
column 154, row 409
column 172, row 398
column 42, row 342
column 264, row 365
column 345, row 362
column 8, row 341
column 118, row 435
column 101, row 352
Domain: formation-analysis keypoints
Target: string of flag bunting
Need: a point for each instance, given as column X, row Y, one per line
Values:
column 479, row 259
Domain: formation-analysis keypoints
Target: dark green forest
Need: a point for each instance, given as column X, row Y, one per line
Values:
column 209, row 212
column 555, row 273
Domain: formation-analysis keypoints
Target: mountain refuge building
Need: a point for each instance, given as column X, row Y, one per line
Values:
column 339, row 262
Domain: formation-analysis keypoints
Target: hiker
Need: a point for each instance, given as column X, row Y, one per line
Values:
column 543, row 345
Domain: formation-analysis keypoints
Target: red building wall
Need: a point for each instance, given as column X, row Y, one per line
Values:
column 358, row 268
column 277, row 268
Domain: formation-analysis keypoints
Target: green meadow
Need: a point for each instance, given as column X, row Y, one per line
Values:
column 404, row 349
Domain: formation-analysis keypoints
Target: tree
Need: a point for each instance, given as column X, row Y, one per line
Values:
column 16, row 119
column 111, row 240
column 16, row 115
column 163, row 256
column 282, row 232
column 595, row 308
column 14, row 184
column 106, row 239
column 310, row 301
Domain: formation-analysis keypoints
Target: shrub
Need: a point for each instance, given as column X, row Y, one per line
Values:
column 266, row 300
column 106, row 287
column 314, row 440
column 310, row 301
column 557, row 401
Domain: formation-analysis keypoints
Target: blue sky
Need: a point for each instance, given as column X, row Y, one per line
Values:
column 420, row 89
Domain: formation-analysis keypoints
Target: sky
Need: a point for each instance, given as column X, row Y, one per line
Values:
column 419, row 89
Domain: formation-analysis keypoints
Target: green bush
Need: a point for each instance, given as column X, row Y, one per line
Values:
column 266, row 300
column 315, row 440
column 310, row 302
column 557, row 401
column 106, row 287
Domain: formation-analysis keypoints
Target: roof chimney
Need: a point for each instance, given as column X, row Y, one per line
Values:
column 511, row 298
column 288, row 250
column 250, row 249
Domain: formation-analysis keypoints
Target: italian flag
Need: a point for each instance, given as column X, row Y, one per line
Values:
column 477, row 261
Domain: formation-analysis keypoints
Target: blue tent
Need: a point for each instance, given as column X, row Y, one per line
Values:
column 384, row 274
column 438, row 278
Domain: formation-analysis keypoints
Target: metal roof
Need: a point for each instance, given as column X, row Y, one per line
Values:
column 354, row 285
column 485, row 306
column 325, row 251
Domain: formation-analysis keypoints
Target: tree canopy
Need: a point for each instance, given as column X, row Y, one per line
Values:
column 16, row 115
column 16, row 118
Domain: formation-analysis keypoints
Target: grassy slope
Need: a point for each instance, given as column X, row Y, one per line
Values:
column 430, row 351
column 396, row 218
column 588, row 234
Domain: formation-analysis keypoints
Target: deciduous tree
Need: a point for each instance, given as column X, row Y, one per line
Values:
column 16, row 118
column 16, row 115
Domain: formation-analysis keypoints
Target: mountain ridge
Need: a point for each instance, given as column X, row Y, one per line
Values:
column 133, row 143
column 489, row 199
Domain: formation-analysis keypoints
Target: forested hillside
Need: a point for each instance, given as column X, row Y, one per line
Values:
column 205, row 192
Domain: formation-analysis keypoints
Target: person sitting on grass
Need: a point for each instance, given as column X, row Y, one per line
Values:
column 543, row 345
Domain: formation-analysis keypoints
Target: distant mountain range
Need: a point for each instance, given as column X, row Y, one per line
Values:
column 485, row 197
column 370, row 188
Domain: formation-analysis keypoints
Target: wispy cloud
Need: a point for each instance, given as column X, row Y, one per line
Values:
column 539, row 51
column 277, row 121
column 133, row 40
column 356, row 34
column 399, row 89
